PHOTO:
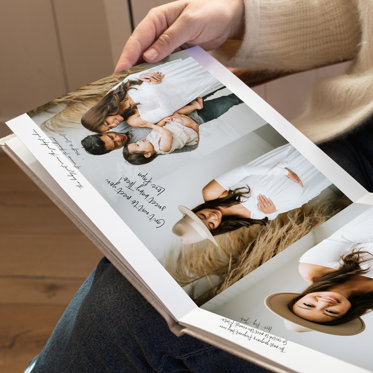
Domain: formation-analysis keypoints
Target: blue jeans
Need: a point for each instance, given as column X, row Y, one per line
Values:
column 110, row 327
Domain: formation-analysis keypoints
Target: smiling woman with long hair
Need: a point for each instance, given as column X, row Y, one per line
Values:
column 340, row 273
column 209, row 211
column 336, row 296
column 151, row 96
column 277, row 182
column 114, row 108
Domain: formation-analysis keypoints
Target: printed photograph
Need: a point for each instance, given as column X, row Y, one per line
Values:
column 322, row 296
column 210, row 188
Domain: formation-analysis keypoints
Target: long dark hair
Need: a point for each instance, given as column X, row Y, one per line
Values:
column 350, row 267
column 230, row 223
column 110, row 105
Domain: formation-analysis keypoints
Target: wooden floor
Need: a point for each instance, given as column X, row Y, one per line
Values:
column 44, row 259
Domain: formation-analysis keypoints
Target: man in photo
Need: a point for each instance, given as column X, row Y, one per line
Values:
column 102, row 143
column 178, row 130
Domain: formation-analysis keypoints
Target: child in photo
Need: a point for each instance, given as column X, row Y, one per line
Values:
column 178, row 130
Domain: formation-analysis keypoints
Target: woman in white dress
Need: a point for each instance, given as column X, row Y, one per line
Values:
column 150, row 96
column 279, row 181
column 340, row 273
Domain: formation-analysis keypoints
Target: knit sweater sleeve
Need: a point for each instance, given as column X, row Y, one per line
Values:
column 294, row 35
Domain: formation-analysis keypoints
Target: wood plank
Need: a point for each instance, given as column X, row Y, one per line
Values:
column 67, row 256
column 24, row 329
column 34, row 231
column 38, row 291
column 36, row 239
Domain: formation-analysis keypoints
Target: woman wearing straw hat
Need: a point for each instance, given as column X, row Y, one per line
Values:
column 340, row 273
column 278, row 181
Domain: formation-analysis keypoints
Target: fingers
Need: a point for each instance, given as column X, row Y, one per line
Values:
column 152, row 78
column 294, row 177
column 172, row 38
column 265, row 201
column 130, row 55
column 149, row 30
column 297, row 179
column 262, row 202
column 157, row 77
column 265, row 204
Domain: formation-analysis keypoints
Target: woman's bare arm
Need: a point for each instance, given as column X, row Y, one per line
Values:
column 136, row 121
column 309, row 272
column 163, row 121
column 213, row 190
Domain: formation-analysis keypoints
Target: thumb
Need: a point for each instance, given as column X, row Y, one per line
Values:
column 175, row 36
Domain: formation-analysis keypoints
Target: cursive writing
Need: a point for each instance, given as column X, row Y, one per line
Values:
column 251, row 333
column 142, row 195
column 53, row 151
column 65, row 151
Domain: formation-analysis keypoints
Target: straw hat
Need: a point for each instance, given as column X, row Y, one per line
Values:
column 278, row 304
column 191, row 229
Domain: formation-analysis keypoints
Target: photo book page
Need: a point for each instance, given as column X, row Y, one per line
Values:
column 221, row 207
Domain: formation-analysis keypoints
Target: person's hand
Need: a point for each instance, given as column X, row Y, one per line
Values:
column 182, row 24
column 266, row 205
column 294, row 177
column 152, row 78
column 165, row 120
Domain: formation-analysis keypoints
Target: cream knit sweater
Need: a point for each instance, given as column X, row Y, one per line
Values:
column 295, row 35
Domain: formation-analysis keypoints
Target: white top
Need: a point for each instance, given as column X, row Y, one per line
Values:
column 357, row 235
column 181, row 136
column 183, row 81
column 267, row 175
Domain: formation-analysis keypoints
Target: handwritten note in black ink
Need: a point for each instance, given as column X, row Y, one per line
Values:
column 143, row 195
column 53, row 151
column 255, row 323
column 252, row 334
column 66, row 147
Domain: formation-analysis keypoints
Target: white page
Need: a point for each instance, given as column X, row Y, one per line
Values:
column 282, row 351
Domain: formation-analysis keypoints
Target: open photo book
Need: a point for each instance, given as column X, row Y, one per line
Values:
column 237, row 228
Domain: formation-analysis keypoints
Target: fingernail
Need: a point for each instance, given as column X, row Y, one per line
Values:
column 151, row 54
column 121, row 67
